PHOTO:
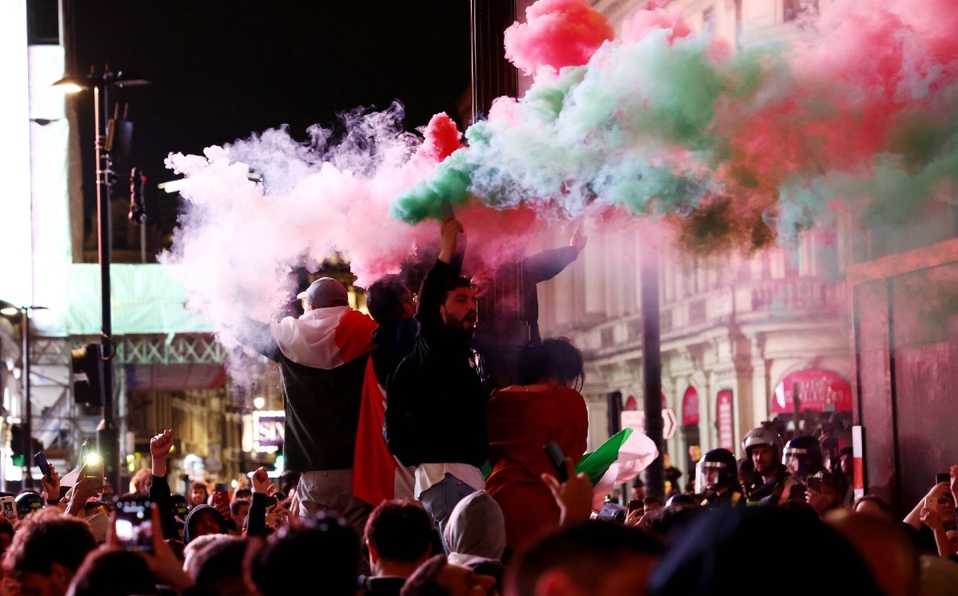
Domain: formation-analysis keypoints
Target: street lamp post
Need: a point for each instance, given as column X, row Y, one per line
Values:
column 107, row 435
column 107, row 439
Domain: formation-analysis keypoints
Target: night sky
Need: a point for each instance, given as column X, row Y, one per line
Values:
column 221, row 70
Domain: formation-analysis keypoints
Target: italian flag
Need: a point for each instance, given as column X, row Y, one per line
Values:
column 616, row 461
column 377, row 475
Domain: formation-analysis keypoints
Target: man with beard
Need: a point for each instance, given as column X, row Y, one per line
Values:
column 435, row 415
column 763, row 447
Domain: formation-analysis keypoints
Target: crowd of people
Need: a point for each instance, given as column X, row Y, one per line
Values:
column 694, row 543
column 415, row 476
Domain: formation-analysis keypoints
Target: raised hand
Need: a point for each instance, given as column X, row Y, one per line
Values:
column 51, row 484
column 160, row 446
column 481, row 280
column 578, row 239
column 261, row 483
column 449, row 232
column 574, row 496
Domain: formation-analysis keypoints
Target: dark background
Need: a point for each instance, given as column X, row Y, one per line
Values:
column 222, row 70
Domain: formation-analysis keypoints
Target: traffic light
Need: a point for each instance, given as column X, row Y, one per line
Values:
column 137, row 213
column 87, row 375
column 16, row 445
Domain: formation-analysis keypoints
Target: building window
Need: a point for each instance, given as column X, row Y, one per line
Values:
column 635, row 328
column 606, row 338
column 800, row 11
column 708, row 20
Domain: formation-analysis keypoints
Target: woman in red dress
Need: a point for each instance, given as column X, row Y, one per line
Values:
column 522, row 419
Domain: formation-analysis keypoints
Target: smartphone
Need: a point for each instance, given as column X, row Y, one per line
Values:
column 636, row 504
column 942, row 477
column 93, row 465
column 221, row 495
column 9, row 505
column 41, row 461
column 931, row 503
column 134, row 524
column 557, row 457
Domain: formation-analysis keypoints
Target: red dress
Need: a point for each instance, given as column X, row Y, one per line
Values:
column 520, row 423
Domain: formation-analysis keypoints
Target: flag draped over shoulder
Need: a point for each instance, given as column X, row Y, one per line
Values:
column 618, row 460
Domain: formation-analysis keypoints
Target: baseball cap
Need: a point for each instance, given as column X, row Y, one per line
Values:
column 323, row 292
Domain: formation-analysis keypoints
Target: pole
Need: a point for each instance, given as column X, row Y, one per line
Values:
column 652, row 365
column 27, row 406
column 106, row 433
column 492, row 74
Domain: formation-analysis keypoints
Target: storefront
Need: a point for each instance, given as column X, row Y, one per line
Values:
column 812, row 397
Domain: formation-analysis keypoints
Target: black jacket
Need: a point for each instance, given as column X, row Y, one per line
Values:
column 436, row 399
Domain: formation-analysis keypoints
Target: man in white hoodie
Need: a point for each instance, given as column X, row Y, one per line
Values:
column 322, row 358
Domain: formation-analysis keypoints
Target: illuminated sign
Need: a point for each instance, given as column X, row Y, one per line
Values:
column 723, row 418
column 268, row 429
column 817, row 391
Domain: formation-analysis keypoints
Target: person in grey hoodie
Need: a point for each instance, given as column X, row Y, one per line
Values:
column 203, row 519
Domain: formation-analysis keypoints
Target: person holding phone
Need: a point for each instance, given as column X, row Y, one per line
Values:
column 522, row 418
column 933, row 518
column 220, row 499
column 49, row 479
column 824, row 492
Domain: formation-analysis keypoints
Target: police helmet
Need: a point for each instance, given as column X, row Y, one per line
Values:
column 807, row 450
column 762, row 436
column 28, row 502
column 724, row 461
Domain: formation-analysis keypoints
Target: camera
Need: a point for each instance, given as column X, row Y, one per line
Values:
column 134, row 524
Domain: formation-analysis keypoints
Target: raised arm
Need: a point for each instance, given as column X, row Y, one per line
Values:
column 256, row 518
column 549, row 263
column 913, row 518
column 434, row 285
column 257, row 336
column 160, row 493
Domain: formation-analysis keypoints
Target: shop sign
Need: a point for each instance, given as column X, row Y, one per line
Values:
column 723, row 417
column 817, row 391
column 690, row 407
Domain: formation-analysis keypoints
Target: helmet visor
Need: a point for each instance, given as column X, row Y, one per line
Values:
column 791, row 452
